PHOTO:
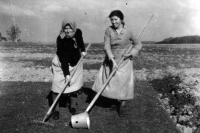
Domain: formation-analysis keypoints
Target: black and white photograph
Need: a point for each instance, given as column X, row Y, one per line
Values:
column 100, row 66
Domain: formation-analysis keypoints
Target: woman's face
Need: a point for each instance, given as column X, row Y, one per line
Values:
column 116, row 21
column 68, row 31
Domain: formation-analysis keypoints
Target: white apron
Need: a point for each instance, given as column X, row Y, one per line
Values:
column 58, row 81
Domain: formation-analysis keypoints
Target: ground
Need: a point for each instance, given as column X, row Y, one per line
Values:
column 25, row 81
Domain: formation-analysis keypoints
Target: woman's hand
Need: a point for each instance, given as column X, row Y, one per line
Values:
column 114, row 63
column 67, row 78
column 83, row 53
column 133, row 53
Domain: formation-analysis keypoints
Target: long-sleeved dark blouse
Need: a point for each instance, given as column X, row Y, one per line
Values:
column 69, row 51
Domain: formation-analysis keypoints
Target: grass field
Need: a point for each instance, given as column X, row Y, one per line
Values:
column 25, row 80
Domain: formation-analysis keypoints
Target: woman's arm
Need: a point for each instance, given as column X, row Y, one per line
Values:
column 107, row 46
column 79, row 39
column 137, row 45
column 61, row 52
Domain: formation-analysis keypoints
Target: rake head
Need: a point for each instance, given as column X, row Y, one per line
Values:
column 40, row 122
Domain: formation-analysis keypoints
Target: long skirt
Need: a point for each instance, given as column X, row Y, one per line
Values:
column 121, row 85
column 58, row 81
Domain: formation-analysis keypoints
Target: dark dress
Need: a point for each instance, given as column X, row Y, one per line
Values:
column 68, row 54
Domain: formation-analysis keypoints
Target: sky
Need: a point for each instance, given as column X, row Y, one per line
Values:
column 40, row 20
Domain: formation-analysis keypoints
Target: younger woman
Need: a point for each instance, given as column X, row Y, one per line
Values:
column 117, row 39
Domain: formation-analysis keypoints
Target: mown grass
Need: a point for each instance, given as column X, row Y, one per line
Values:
column 23, row 102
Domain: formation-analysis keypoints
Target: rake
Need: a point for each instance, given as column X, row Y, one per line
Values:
column 45, row 119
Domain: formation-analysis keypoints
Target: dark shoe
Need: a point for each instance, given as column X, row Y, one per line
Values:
column 72, row 111
column 120, row 111
column 55, row 115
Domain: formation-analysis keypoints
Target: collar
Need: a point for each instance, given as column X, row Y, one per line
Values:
column 122, row 30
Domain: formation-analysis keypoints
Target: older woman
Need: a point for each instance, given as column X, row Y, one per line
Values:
column 70, row 46
column 117, row 40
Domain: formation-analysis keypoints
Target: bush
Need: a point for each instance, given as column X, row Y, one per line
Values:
column 177, row 100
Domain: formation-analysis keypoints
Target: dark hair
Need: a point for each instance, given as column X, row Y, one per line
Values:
column 117, row 13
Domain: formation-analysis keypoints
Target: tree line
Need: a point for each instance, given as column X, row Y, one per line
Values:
column 178, row 40
column 13, row 34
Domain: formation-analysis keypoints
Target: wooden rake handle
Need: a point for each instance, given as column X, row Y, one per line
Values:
column 113, row 72
column 66, row 84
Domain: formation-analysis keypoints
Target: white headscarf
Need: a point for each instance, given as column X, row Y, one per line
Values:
column 72, row 24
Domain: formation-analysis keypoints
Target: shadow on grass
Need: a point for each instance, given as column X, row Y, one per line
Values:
column 102, row 102
column 23, row 102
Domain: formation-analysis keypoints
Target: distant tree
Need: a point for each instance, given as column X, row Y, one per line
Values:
column 2, row 38
column 13, row 33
